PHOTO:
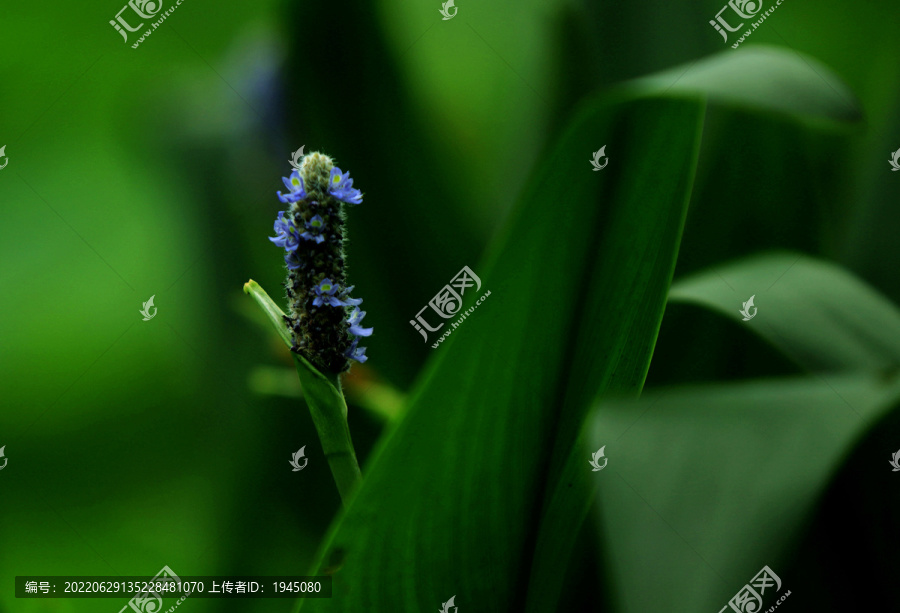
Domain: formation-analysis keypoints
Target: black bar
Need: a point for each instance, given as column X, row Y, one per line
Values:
column 168, row 588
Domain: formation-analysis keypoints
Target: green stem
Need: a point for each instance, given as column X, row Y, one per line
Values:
column 325, row 400
column 329, row 413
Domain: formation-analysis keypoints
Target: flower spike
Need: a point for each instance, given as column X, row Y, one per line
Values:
column 323, row 317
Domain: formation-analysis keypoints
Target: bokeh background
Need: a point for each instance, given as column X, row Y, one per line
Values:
column 152, row 171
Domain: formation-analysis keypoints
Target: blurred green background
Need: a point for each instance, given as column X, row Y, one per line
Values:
column 152, row 171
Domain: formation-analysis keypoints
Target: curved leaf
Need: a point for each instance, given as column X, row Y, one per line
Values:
column 761, row 77
column 273, row 311
column 475, row 492
column 706, row 485
column 815, row 312
column 454, row 493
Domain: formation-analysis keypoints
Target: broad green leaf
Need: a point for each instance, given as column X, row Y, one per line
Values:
column 815, row 312
column 761, row 77
column 578, row 277
column 769, row 79
column 578, row 280
column 631, row 267
column 704, row 486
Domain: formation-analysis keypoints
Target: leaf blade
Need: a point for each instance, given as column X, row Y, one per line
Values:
column 820, row 315
column 682, row 519
column 454, row 449
column 761, row 77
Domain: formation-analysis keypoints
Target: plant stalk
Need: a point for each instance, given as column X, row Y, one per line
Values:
column 329, row 413
column 325, row 401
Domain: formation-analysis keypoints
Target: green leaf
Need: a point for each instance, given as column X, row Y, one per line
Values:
column 271, row 310
column 630, row 268
column 469, row 494
column 704, row 486
column 815, row 312
column 578, row 285
column 763, row 78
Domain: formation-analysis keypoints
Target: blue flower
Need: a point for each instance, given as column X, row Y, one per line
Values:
column 341, row 187
column 325, row 291
column 295, row 184
column 287, row 233
column 354, row 320
column 356, row 353
column 345, row 298
column 314, row 229
column 292, row 261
